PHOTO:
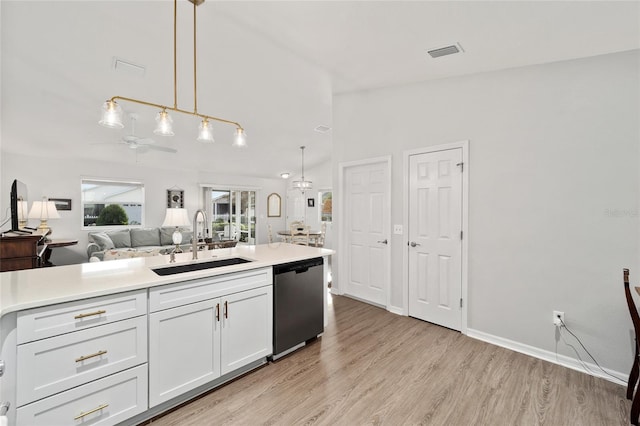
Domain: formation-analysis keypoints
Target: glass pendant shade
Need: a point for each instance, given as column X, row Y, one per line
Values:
column 205, row 133
column 111, row 115
column 302, row 184
column 240, row 139
column 164, row 125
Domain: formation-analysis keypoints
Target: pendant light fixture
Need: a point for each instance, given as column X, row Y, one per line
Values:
column 112, row 111
column 302, row 184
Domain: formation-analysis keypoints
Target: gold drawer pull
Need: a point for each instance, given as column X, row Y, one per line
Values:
column 82, row 414
column 90, row 314
column 82, row 358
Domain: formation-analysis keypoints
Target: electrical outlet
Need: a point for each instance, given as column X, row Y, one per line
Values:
column 558, row 318
column 397, row 229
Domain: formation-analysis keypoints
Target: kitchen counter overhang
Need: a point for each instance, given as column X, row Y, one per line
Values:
column 34, row 288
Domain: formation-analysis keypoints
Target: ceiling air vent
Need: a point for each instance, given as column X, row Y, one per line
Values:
column 127, row 67
column 444, row 51
column 322, row 129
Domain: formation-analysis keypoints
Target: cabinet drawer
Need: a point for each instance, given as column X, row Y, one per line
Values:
column 178, row 294
column 40, row 323
column 121, row 396
column 59, row 363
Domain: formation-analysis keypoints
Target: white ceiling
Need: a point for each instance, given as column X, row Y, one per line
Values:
column 273, row 66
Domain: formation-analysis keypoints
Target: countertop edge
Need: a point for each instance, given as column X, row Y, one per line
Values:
column 140, row 271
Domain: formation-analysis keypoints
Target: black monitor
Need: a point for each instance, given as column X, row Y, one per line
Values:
column 19, row 206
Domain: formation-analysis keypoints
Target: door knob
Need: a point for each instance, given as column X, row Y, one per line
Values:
column 383, row 241
column 413, row 244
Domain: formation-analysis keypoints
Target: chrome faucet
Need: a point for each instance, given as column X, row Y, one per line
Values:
column 194, row 244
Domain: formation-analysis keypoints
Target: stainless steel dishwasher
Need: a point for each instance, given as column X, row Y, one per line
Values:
column 298, row 304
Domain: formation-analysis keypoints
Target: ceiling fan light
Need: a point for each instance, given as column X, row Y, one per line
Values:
column 240, row 138
column 165, row 124
column 111, row 115
column 205, row 133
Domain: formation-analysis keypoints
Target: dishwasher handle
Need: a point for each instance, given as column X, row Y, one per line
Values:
column 297, row 267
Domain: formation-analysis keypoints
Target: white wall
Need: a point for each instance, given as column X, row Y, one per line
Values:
column 61, row 179
column 554, row 190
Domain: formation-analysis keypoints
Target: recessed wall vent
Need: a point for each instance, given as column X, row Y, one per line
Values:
column 444, row 51
column 322, row 129
column 120, row 65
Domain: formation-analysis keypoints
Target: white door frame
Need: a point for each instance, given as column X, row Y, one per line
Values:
column 342, row 243
column 465, row 223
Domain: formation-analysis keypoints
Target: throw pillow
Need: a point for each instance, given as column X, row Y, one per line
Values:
column 166, row 236
column 145, row 237
column 120, row 238
column 103, row 240
column 118, row 254
column 147, row 253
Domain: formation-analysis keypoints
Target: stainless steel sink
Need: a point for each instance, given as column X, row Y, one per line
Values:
column 190, row 267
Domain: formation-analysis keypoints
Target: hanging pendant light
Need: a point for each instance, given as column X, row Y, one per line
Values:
column 239, row 139
column 302, row 184
column 165, row 124
column 112, row 112
column 111, row 115
column 205, row 133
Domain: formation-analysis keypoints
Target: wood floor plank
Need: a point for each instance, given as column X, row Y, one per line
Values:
column 376, row 368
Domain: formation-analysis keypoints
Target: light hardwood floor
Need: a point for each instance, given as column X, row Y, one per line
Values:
column 374, row 367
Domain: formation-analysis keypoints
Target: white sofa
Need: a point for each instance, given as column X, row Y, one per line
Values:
column 133, row 242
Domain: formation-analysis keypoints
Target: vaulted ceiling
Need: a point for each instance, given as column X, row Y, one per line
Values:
column 273, row 66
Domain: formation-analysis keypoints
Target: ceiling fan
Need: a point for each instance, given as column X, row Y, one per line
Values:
column 142, row 144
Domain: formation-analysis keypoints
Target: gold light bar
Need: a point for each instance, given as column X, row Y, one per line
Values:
column 112, row 111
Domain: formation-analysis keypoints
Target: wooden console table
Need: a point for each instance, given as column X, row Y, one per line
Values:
column 51, row 244
column 21, row 252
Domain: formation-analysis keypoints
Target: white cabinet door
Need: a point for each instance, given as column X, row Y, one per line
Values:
column 184, row 349
column 246, row 327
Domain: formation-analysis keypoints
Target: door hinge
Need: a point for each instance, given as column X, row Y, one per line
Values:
column 461, row 302
column 461, row 166
column 460, row 234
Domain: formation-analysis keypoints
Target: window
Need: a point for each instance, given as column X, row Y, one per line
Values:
column 112, row 203
column 233, row 214
column 325, row 209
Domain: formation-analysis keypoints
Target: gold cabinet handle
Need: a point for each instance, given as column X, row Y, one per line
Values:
column 90, row 314
column 83, row 414
column 226, row 310
column 83, row 357
column 218, row 312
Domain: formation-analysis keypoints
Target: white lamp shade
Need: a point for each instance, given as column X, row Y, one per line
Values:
column 176, row 217
column 23, row 210
column 43, row 210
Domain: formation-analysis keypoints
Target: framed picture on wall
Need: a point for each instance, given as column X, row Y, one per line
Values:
column 274, row 205
column 311, row 202
column 62, row 203
column 175, row 198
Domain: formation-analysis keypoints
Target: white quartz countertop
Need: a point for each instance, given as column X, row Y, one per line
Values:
column 33, row 288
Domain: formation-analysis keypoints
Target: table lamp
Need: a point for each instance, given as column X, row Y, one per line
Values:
column 44, row 210
column 176, row 217
column 23, row 213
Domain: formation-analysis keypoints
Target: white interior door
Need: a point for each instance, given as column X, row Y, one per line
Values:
column 435, row 237
column 295, row 206
column 366, row 216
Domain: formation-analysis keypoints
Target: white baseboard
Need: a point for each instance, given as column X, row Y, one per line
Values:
column 552, row 357
column 395, row 310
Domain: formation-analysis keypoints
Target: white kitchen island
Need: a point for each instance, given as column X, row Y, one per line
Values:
column 113, row 342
